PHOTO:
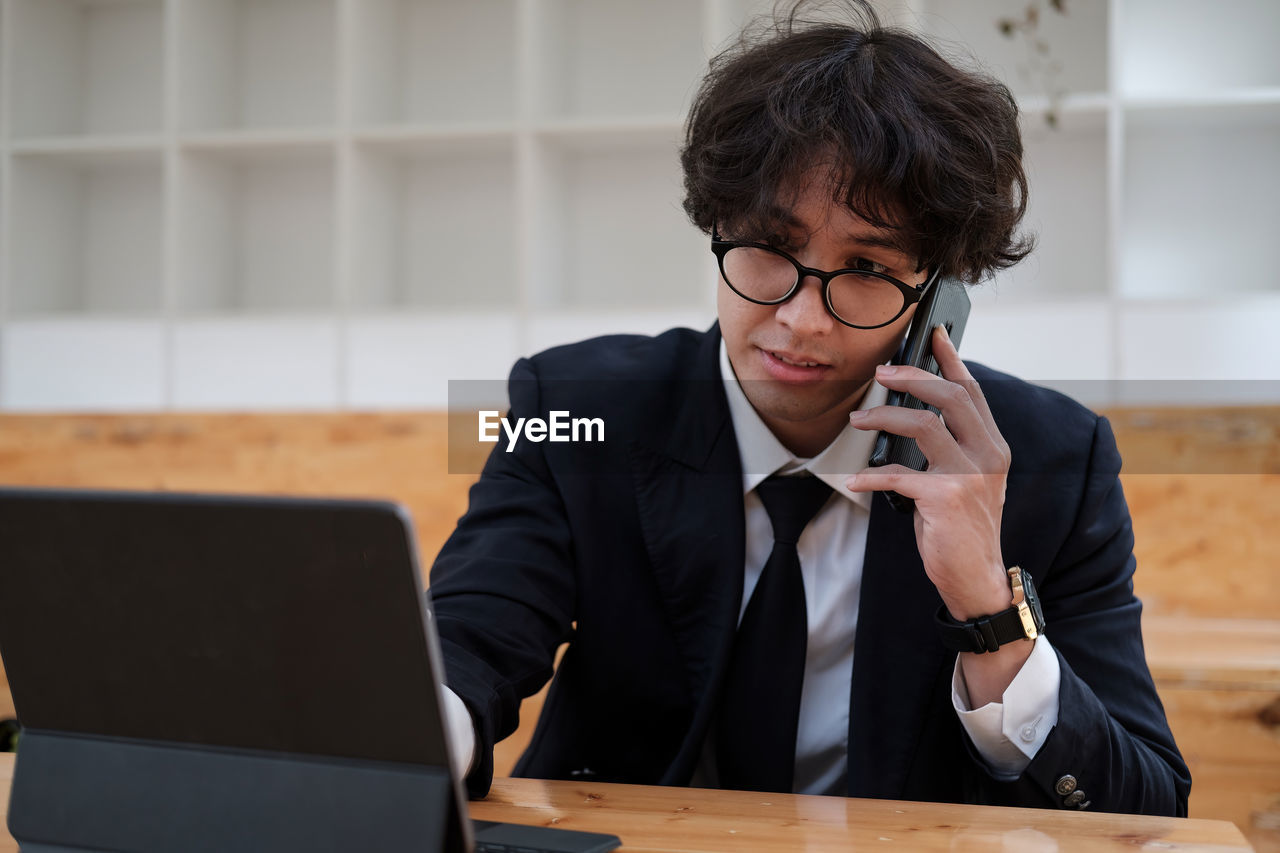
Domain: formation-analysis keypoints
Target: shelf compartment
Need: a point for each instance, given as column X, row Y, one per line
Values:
column 87, row 68
column 252, row 142
column 407, row 361
column 1200, row 352
column 88, row 235
column 458, row 136
column 260, row 363
column 1253, row 108
column 728, row 17
column 1199, row 210
column 550, row 328
column 435, row 224
column 90, row 146
column 1067, row 176
column 1076, row 42
column 1066, row 344
column 434, row 61
column 616, row 57
column 257, row 64
column 611, row 132
column 83, row 365
column 1179, row 47
column 613, row 234
column 256, row 230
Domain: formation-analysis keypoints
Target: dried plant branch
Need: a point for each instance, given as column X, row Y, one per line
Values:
column 1039, row 67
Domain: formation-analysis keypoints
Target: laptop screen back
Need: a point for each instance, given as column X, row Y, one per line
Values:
column 278, row 624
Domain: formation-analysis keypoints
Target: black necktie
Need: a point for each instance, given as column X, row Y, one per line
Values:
column 760, row 706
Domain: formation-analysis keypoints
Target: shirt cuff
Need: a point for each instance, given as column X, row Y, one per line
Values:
column 460, row 731
column 1009, row 733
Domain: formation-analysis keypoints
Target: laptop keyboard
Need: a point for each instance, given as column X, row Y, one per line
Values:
column 494, row 837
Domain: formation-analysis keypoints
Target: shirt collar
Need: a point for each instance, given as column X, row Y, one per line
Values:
column 762, row 454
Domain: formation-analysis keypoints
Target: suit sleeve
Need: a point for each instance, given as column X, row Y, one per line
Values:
column 502, row 587
column 1111, row 734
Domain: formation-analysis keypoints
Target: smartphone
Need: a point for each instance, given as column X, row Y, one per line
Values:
column 946, row 304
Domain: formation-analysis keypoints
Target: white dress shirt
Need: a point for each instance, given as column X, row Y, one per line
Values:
column 831, row 550
column 832, row 547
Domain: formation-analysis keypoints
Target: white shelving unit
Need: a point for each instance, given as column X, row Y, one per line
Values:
column 253, row 64
column 1155, row 201
column 417, row 205
column 345, row 203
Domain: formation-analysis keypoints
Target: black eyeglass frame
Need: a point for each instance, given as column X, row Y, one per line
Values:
column 910, row 295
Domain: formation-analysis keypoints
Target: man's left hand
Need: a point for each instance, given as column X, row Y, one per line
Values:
column 960, row 498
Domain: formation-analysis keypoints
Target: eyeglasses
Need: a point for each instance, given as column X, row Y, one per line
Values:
column 862, row 299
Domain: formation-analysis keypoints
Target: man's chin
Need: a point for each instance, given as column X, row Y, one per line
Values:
column 800, row 405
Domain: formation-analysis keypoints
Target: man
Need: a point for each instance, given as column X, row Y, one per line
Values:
column 717, row 635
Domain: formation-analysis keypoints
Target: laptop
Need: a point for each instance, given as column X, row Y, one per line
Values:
column 214, row 672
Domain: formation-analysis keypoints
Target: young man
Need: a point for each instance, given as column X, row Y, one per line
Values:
column 741, row 609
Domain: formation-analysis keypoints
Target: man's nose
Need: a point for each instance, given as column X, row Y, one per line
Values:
column 806, row 312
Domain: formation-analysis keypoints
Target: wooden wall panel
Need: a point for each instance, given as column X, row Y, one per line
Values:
column 399, row 456
column 1203, row 485
column 1205, row 541
column 1198, row 440
column 1206, row 544
column 1204, row 489
column 1234, row 756
column 1213, row 654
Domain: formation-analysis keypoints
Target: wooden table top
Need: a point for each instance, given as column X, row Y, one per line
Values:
column 691, row 819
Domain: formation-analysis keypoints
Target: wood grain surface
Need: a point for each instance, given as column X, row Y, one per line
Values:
column 1231, row 745
column 1198, row 439
column 401, row 456
column 1205, row 540
column 690, row 819
column 1207, row 526
column 1185, row 651
column 684, row 819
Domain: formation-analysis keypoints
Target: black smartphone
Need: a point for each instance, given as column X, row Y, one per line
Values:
column 946, row 304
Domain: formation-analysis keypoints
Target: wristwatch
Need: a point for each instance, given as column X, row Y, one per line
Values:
column 988, row 633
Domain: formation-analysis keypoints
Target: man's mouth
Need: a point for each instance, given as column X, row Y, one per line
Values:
column 792, row 367
column 796, row 361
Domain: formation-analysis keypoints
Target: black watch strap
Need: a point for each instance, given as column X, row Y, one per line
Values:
column 985, row 634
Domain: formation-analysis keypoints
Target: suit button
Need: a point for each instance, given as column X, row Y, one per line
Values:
column 1076, row 798
column 1065, row 785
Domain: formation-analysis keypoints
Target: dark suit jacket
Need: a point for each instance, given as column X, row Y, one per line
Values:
column 631, row 551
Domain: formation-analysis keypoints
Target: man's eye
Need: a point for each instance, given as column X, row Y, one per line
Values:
column 868, row 265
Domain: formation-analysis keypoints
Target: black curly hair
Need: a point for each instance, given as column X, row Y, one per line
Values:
column 908, row 140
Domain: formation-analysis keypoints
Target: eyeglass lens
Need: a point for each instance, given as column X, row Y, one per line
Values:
column 857, row 299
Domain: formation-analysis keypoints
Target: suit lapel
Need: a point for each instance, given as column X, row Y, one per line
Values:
column 688, row 487
column 897, row 658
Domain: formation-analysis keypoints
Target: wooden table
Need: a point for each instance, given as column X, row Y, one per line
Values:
column 690, row 819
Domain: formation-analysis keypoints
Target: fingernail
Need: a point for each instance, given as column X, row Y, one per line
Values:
column 886, row 370
column 858, row 415
column 851, row 481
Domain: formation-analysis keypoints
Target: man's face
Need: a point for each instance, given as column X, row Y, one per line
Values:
column 807, row 406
